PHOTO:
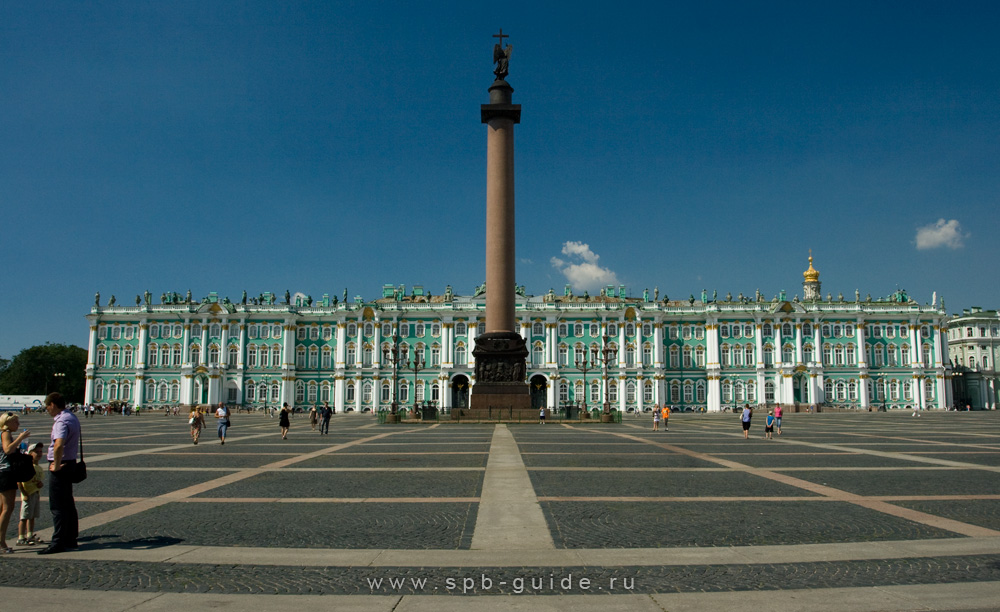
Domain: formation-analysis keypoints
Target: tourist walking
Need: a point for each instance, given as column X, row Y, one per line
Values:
column 327, row 412
column 9, row 422
column 541, row 416
column 197, row 423
column 283, row 421
column 222, row 415
column 666, row 417
column 63, row 451
column 313, row 417
column 769, row 425
column 745, row 419
column 777, row 418
column 657, row 415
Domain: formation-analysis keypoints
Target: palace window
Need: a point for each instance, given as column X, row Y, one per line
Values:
column 300, row 392
column 563, row 355
column 461, row 329
column 768, row 355
column 595, row 330
column 352, row 329
column 700, row 392
column 252, row 332
column 595, row 392
column 350, row 394
column 386, row 395
column 312, row 392
column 647, row 392
column 630, row 356
column 369, row 329
column 435, row 329
column 647, row 329
column 234, row 353
column 366, row 392
column 807, row 329
column 352, row 354
column 699, row 332
column 313, row 357
column 838, row 355
column 612, row 391
column 699, row 356
column 537, row 330
column 905, row 355
column 460, row 355
column 152, row 357
column 327, row 332
column 769, row 392
column 326, row 358
column 128, row 356
column 578, row 330
column 766, row 330
column 675, row 391
column 724, row 331
column 213, row 354
column 926, row 353
column 536, row 354
column 630, row 329
column 788, row 354
column 367, row 356
column 102, row 356
column 725, row 356
column 786, row 330
column 165, row 356
column 852, row 391
column 630, row 392
column 674, row 357
column 404, row 330
column 435, row 355
column 673, row 332
column 563, row 391
column 727, row 392
column 314, row 333
column 386, row 329
column 686, row 332
column 647, row 355
column 419, row 330
column 195, row 352
column 748, row 357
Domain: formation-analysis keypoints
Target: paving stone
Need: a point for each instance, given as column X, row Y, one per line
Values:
column 982, row 512
column 745, row 523
column 251, row 579
column 401, row 460
column 305, row 525
column 908, row 482
column 354, row 484
column 646, row 484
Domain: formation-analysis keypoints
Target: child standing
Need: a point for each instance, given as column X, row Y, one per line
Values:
column 769, row 425
column 30, row 495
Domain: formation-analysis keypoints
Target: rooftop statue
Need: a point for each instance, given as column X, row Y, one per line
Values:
column 501, row 56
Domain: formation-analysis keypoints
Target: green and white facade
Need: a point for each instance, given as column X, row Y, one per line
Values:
column 697, row 353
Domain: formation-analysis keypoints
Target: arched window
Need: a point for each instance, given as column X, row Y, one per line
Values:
column 367, row 356
column 300, row 357
column 675, row 391
column 595, row 392
column 195, row 354
column 537, row 329
column 739, row 389
column 769, row 392
column 725, row 355
column 215, row 330
column 175, row 391
column 537, row 352
column 165, row 356
column 129, row 351
column 366, row 392
column 630, row 392
column 460, row 356
column 852, row 390
column 686, row 357
column 727, row 392
column 233, row 355
column 115, row 356
column 807, row 329
column 838, row 354
column 748, row 357
column 841, row 391
column 807, row 353
column 828, row 390
column 386, row 394
column 766, row 330
column 699, row 356
column 700, row 392
column 161, row 392
column 786, row 330
column 674, row 356
column 461, row 329
column 647, row 391
column 326, row 358
column 251, row 391
column 788, row 353
column 313, row 357
column 768, row 355
column 630, row 355
column 300, row 392
column 275, row 356
column 152, row 356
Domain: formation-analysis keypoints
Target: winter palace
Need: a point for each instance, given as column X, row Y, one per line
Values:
column 704, row 353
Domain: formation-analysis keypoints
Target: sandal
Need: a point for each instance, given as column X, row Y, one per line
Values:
column 6, row 550
column 23, row 542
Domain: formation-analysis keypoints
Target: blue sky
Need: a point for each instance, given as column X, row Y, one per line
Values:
column 219, row 146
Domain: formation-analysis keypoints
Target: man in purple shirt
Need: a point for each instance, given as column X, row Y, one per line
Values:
column 62, row 464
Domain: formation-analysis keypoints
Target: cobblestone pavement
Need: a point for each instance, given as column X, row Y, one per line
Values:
column 829, row 480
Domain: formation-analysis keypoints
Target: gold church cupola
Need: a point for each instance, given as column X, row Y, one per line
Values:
column 811, row 284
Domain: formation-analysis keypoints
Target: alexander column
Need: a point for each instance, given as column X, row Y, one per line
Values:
column 500, row 390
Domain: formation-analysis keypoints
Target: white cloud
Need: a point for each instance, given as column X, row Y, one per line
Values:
column 941, row 234
column 582, row 270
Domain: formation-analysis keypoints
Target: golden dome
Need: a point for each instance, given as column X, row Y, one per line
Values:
column 811, row 275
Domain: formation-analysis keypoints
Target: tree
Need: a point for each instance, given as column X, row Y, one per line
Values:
column 33, row 371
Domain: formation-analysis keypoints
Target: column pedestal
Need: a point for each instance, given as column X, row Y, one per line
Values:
column 500, row 393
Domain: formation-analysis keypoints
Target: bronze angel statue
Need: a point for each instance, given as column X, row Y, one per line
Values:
column 501, row 57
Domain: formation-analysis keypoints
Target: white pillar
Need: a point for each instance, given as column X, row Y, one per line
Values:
column 778, row 344
column 341, row 349
column 658, row 345
column 339, row 390
column 862, row 355
column 186, row 344
column 241, row 356
column 377, row 344
column 798, row 341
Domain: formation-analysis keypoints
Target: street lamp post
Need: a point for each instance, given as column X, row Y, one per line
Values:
column 586, row 366
column 416, row 365
column 607, row 354
column 395, row 355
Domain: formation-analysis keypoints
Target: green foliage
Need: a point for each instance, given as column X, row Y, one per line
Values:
column 33, row 370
